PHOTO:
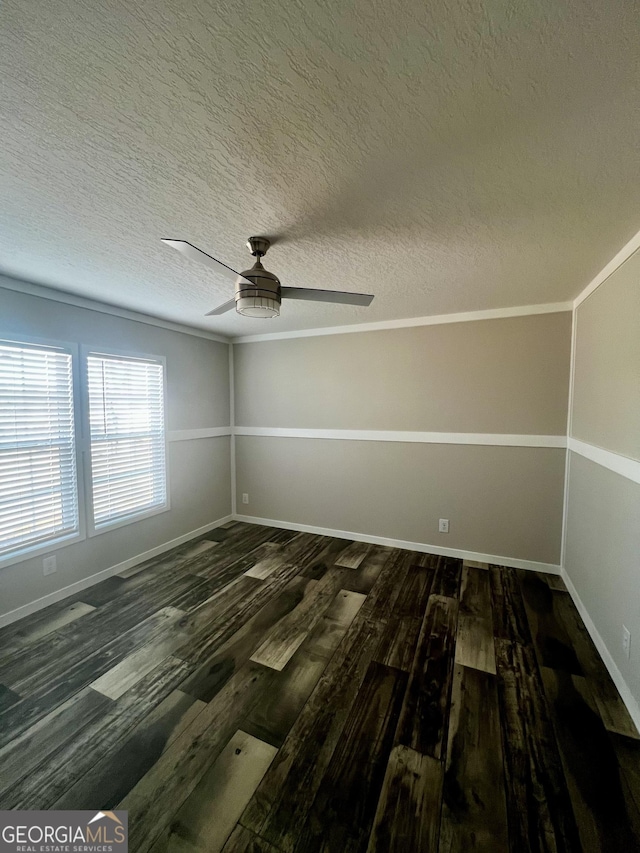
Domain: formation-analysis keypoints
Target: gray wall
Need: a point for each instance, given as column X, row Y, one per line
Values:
column 602, row 551
column 495, row 376
column 606, row 385
column 197, row 397
column 491, row 376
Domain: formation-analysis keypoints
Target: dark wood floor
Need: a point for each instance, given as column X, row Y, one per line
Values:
column 262, row 690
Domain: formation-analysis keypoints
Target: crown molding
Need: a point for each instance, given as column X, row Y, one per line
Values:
column 409, row 322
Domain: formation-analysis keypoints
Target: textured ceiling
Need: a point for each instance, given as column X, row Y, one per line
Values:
column 445, row 156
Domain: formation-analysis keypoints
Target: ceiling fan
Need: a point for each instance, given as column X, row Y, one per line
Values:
column 258, row 291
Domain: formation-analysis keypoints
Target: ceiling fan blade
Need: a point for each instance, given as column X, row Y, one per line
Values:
column 195, row 254
column 222, row 309
column 339, row 296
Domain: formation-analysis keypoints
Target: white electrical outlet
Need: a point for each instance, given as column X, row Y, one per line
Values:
column 49, row 565
column 626, row 641
column 443, row 525
column 245, row 498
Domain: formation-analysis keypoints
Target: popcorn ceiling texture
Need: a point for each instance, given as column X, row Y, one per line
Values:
column 445, row 156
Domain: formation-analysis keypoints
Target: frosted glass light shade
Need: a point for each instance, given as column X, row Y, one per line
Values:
column 257, row 306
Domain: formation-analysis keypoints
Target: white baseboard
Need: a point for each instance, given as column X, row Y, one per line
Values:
column 423, row 548
column 623, row 689
column 85, row 583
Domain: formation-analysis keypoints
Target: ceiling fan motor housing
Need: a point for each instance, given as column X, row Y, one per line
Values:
column 262, row 297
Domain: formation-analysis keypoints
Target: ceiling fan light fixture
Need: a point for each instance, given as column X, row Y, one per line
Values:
column 257, row 306
column 258, row 291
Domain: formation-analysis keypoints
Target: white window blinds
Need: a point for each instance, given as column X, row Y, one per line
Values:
column 126, row 416
column 38, row 485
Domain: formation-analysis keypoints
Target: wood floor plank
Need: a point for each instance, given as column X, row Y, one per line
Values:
column 275, row 559
column 282, row 536
column 342, row 814
column 425, row 713
column 162, row 790
column 242, row 840
column 238, row 543
column 509, row 616
column 97, row 629
column 289, row 786
column 474, row 810
column 8, row 698
column 97, row 658
column 363, row 578
column 593, row 774
column 200, row 547
column 207, row 817
column 474, row 643
column 538, row 804
column 66, row 765
column 218, row 618
column 24, row 755
column 627, row 752
column 551, row 641
column 237, row 553
column 475, row 593
column 448, row 572
column 286, row 637
column 272, row 719
column 214, row 671
column 119, row 768
column 613, row 711
column 240, row 601
column 46, row 690
column 408, row 813
column 400, row 638
column 283, row 798
column 381, row 600
column 27, row 631
column 216, row 621
column 105, row 591
column 353, row 555
column 117, row 680
column 306, row 549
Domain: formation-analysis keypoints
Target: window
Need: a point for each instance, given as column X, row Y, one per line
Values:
column 38, row 482
column 128, row 452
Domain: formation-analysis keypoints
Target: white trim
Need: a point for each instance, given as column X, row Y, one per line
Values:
column 565, row 506
column 622, row 465
column 623, row 255
column 193, row 434
column 497, row 439
column 85, row 583
column 511, row 562
column 567, row 462
column 435, row 320
column 31, row 289
column 623, row 689
column 232, row 421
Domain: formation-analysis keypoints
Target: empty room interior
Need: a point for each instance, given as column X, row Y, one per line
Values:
column 364, row 577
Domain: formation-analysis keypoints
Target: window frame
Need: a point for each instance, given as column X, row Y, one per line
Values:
column 28, row 552
column 86, row 472
column 82, row 437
